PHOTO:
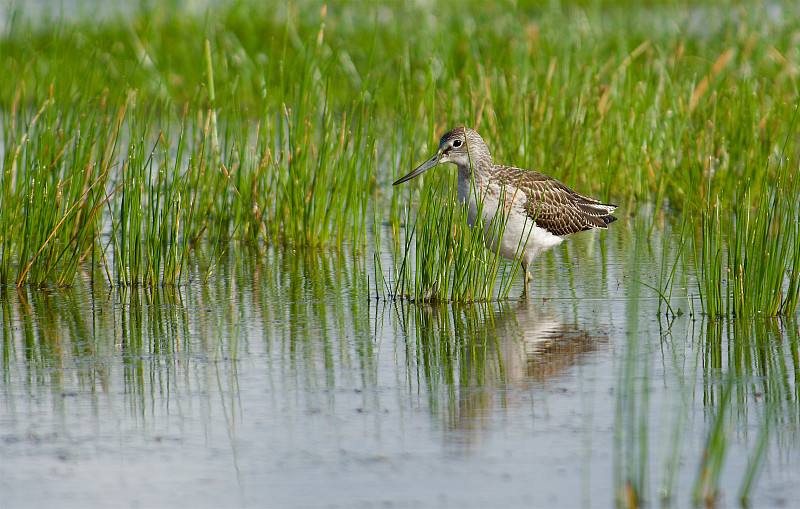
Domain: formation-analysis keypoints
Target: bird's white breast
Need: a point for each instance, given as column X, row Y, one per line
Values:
column 517, row 228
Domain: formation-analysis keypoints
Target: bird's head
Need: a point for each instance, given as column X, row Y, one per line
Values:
column 461, row 146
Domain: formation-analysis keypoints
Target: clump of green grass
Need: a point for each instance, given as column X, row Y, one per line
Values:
column 55, row 168
column 749, row 259
column 104, row 174
column 446, row 260
column 763, row 251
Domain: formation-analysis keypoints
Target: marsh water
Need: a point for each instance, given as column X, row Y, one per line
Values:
column 288, row 379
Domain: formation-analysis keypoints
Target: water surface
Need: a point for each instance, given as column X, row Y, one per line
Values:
column 287, row 381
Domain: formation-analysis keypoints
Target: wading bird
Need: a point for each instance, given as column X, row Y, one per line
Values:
column 539, row 211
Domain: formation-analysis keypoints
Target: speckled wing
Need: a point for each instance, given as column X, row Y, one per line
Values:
column 555, row 207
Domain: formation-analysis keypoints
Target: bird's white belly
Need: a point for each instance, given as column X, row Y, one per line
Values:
column 517, row 232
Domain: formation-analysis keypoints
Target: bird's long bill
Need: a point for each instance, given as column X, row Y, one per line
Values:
column 422, row 168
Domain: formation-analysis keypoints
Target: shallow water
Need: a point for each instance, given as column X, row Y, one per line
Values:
column 284, row 381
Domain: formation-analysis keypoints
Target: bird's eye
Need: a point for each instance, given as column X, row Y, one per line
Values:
column 456, row 143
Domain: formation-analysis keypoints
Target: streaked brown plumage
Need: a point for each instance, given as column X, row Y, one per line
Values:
column 563, row 211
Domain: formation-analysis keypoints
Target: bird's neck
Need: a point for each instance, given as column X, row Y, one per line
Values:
column 471, row 183
column 475, row 173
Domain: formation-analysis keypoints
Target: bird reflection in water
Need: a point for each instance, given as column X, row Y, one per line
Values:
column 476, row 359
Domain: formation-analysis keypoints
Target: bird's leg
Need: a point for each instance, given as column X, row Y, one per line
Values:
column 527, row 277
